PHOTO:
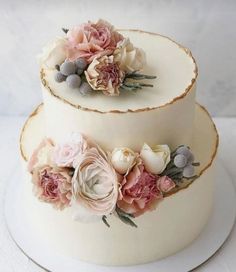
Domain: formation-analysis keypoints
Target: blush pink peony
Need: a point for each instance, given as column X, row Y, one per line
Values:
column 139, row 191
column 67, row 154
column 52, row 185
column 165, row 184
column 91, row 40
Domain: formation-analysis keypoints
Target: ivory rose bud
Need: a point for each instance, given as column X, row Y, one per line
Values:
column 123, row 159
column 52, row 185
column 67, row 154
column 95, row 184
column 165, row 184
column 41, row 155
column 130, row 58
column 155, row 159
column 53, row 53
column 105, row 75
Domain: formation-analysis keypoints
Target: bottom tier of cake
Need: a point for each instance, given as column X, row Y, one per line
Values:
column 176, row 222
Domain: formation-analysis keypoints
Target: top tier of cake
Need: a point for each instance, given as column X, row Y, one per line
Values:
column 161, row 114
column 173, row 65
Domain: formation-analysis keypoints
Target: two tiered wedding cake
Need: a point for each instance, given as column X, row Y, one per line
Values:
column 119, row 155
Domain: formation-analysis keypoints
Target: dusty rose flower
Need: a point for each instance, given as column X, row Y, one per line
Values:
column 165, row 184
column 91, row 40
column 52, row 185
column 139, row 191
column 104, row 75
column 95, row 185
column 41, row 155
column 130, row 58
column 67, row 154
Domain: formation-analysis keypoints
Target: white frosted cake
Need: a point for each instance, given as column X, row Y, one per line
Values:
column 118, row 158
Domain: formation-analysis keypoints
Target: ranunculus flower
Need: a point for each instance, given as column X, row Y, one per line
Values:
column 165, row 184
column 130, row 58
column 139, row 191
column 53, row 53
column 67, row 154
column 41, row 155
column 91, row 40
column 95, row 185
column 52, row 185
column 105, row 75
column 123, row 159
column 155, row 159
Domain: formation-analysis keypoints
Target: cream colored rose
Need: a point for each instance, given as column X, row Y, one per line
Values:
column 123, row 159
column 155, row 159
column 129, row 57
column 95, row 186
column 53, row 53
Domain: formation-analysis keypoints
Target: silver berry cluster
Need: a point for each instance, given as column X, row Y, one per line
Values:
column 181, row 164
column 72, row 73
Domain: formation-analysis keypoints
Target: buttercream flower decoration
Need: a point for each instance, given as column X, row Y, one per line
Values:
column 52, row 185
column 104, row 74
column 123, row 159
column 130, row 58
column 67, row 154
column 53, row 53
column 91, row 40
column 165, row 184
column 155, row 159
column 95, row 184
column 139, row 191
column 96, row 57
column 41, row 155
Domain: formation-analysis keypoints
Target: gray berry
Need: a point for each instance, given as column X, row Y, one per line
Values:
column 67, row 68
column 79, row 71
column 85, row 89
column 59, row 77
column 81, row 63
column 188, row 171
column 190, row 158
column 73, row 81
column 180, row 161
column 183, row 150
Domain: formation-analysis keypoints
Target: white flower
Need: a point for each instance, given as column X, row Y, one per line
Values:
column 95, row 186
column 67, row 153
column 53, row 53
column 155, row 159
column 129, row 57
column 123, row 159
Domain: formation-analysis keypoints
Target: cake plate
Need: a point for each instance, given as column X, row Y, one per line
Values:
column 209, row 241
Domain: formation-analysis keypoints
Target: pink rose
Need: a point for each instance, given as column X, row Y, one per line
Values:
column 91, row 40
column 165, row 184
column 52, row 185
column 95, row 185
column 41, row 154
column 67, row 154
column 103, row 74
column 139, row 191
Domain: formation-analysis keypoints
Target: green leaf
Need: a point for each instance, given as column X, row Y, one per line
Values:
column 104, row 219
column 65, row 30
column 125, row 217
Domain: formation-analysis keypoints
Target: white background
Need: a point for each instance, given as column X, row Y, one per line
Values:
column 206, row 27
